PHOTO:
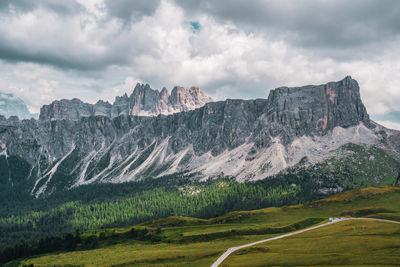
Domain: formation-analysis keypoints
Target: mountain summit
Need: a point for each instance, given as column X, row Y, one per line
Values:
column 144, row 101
column 76, row 144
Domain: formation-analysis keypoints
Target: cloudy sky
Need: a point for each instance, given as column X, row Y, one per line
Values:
column 97, row 49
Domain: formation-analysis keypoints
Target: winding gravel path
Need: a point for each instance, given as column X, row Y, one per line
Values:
column 231, row 250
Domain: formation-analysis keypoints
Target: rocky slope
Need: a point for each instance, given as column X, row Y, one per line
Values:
column 144, row 101
column 397, row 183
column 75, row 143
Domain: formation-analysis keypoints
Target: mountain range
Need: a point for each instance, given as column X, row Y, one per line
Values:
column 144, row 101
column 152, row 134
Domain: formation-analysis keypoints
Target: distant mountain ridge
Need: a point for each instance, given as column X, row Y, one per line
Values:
column 144, row 101
column 82, row 144
column 11, row 105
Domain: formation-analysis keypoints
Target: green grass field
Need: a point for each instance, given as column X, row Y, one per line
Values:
column 349, row 243
column 197, row 242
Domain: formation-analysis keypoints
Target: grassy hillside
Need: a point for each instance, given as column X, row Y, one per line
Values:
column 349, row 243
column 24, row 218
column 177, row 241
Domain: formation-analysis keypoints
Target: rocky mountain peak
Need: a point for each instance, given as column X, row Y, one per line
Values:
column 318, row 108
column 164, row 93
column 11, row 105
column 66, row 110
column 140, row 88
column 183, row 99
column 199, row 95
column 196, row 92
column 179, row 95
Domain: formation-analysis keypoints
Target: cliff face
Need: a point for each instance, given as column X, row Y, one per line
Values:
column 248, row 139
column 66, row 110
column 317, row 109
column 144, row 101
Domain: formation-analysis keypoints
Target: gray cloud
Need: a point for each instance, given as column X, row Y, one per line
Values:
column 130, row 10
column 15, row 53
column 62, row 7
column 338, row 28
column 82, row 39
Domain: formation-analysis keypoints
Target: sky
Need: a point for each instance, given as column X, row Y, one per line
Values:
column 98, row 49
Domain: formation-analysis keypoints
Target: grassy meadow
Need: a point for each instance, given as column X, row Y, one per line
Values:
column 348, row 243
column 199, row 242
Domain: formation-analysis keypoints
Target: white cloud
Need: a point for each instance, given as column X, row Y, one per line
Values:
column 119, row 90
column 390, row 124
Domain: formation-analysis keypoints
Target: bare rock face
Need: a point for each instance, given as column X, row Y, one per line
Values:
column 317, row 109
column 66, row 110
column 102, row 108
column 395, row 140
column 182, row 99
column 121, row 106
column 75, row 143
column 144, row 101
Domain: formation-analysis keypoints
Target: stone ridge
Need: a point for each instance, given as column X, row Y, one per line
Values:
column 144, row 101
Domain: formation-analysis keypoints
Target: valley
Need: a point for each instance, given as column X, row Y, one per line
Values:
column 85, row 168
column 177, row 241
